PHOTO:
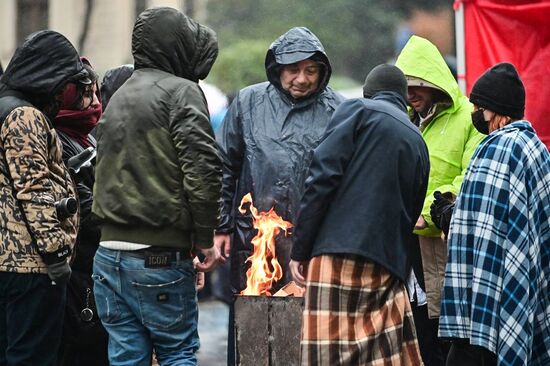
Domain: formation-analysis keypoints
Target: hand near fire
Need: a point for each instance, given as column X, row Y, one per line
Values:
column 223, row 242
column 299, row 271
column 211, row 259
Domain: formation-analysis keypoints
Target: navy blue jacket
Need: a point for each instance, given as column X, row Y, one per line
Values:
column 366, row 185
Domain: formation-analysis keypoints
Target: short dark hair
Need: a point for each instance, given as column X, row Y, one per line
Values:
column 82, row 88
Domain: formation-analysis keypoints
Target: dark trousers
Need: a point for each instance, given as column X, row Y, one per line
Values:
column 82, row 344
column 94, row 354
column 432, row 349
column 462, row 353
column 31, row 319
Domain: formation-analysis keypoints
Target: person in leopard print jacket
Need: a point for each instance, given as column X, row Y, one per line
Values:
column 35, row 243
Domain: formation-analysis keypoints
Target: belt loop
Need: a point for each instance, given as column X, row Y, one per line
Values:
column 178, row 258
column 117, row 257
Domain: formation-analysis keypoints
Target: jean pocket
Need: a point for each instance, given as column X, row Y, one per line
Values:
column 167, row 305
column 105, row 300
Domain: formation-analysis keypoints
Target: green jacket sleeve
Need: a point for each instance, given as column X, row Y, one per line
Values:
column 199, row 161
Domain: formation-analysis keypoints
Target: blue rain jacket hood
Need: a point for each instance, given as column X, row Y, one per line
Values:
column 296, row 45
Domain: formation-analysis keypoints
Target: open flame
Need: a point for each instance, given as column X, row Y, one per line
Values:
column 265, row 268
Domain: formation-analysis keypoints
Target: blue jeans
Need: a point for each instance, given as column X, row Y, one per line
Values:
column 146, row 308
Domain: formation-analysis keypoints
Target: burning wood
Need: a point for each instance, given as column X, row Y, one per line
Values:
column 265, row 268
column 290, row 289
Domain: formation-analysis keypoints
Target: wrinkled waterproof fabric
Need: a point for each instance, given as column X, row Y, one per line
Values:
column 42, row 65
column 450, row 136
column 158, row 172
column 267, row 141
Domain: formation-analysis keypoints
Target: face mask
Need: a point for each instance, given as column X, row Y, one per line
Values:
column 479, row 122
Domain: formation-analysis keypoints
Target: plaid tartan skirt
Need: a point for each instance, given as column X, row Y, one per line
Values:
column 356, row 313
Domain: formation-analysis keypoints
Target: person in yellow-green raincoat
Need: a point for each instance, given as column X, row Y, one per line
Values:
column 443, row 115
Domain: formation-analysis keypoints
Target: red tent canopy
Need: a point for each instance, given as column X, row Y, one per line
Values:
column 517, row 31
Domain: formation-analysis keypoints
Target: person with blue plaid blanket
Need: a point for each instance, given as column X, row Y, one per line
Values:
column 496, row 297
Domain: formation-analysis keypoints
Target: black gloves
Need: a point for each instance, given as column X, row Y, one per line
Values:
column 60, row 272
column 441, row 210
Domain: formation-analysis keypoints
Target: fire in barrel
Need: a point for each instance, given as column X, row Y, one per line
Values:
column 265, row 268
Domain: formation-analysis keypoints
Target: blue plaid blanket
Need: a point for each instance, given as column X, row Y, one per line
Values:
column 498, row 271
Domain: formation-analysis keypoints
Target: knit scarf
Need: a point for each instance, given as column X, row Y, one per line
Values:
column 76, row 124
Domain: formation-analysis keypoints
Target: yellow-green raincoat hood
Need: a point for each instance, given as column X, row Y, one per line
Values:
column 450, row 135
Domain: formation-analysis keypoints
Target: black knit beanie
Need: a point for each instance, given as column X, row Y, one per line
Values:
column 500, row 90
column 385, row 77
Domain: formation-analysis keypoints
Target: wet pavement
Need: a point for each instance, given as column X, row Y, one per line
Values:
column 213, row 319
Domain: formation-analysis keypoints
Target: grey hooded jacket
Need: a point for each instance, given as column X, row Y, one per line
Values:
column 267, row 140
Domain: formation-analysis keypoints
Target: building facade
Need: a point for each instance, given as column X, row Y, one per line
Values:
column 99, row 29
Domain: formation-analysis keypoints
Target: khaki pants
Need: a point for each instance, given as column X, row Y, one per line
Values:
column 434, row 258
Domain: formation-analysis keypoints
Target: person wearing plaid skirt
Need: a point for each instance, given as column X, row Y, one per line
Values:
column 364, row 191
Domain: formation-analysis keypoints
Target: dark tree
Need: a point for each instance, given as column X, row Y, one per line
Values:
column 357, row 35
column 85, row 24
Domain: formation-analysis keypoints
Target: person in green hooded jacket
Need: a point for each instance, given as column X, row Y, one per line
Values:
column 156, row 193
column 443, row 115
